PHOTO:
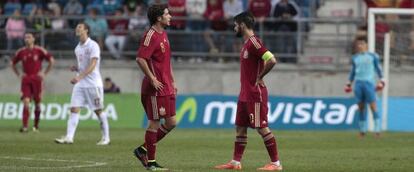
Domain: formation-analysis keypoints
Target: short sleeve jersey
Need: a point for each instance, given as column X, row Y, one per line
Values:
column 84, row 54
column 155, row 49
column 31, row 59
column 251, row 64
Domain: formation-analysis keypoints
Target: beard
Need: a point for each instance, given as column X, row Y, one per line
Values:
column 239, row 33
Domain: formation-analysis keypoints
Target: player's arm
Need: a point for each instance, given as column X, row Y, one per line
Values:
column 173, row 81
column 378, row 70
column 89, row 69
column 142, row 63
column 352, row 73
column 348, row 86
column 270, row 62
column 13, row 63
column 50, row 60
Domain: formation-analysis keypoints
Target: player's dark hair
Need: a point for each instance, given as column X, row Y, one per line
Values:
column 245, row 17
column 361, row 38
column 31, row 33
column 155, row 11
column 86, row 26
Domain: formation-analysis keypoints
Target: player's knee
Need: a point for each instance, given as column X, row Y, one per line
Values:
column 74, row 110
column 241, row 131
column 263, row 131
column 171, row 125
column 153, row 125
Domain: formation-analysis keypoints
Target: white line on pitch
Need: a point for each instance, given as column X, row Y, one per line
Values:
column 90, row 163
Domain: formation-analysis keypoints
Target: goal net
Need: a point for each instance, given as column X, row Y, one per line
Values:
column 391, row 35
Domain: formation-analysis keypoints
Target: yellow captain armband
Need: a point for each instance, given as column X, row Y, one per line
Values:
column 267, row 56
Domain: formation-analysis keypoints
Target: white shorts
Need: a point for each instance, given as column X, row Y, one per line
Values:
column 91, row 97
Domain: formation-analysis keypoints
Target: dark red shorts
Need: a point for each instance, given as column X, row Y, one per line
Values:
column 32, row 87
column 252, row 114
column 157, row 107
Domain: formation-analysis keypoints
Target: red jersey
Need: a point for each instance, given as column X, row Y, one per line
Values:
column 118, row 26
column 31, row 59
column 251, row 64
column 215, row 14
column 155, row 49
column 177, row 9
column 260, row 8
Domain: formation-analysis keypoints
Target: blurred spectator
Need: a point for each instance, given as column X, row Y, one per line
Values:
column 177, row 9
column 110, row 6
column 98, row 26
column 130, row 5
column 215, row 16
column 95, row 4
column 138, row 19
column 286, row 27
column 38, row 20
column 137, row 23
column 3, row 19
column 152, row 2
column 118, row 26
column 53, row 5
column 59, row 38
column 195, row 10
column 57, row 22
column 28, row 7
column 11, row 6
column 260, row 9
column 15, row 29
column 232, row 8
column 110, row 87
column 72, row 8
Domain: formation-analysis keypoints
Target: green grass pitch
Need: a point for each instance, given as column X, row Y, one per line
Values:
column 195, row 150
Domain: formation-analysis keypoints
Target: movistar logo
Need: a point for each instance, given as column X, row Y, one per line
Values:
column 189, row 106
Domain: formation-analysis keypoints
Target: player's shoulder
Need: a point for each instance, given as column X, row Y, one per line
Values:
column 148, row 37
column 255, row 42
column 93, row 44
column 20, row 50
column 43, row 50
column 373, row 54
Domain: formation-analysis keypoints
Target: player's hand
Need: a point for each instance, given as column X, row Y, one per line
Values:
column 260, row 82
column 348, row 88
column 380, row 86
column 73, row 68
column 41, row 75
column 75, row 80
column 157, row 84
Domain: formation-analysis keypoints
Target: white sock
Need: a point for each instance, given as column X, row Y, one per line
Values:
column 72, row 124
column 104, row 125
column 234, row 162
column 276, row 163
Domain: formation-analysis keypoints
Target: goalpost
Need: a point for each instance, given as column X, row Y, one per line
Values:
column 372, row 12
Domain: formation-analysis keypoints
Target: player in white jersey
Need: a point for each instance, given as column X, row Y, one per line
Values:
column 88, row 86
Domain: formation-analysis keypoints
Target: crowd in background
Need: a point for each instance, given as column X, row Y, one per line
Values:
column 116, row 30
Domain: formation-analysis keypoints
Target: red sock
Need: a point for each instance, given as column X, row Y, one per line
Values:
column 162, row 131
column 239, row 146
column 37, row 117
column 151, row 143
column 271, row 146
column 25, row 116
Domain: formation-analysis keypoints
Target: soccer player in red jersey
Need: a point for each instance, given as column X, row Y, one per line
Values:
column 255, row 62
column 158, row 90
column 31, row 57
